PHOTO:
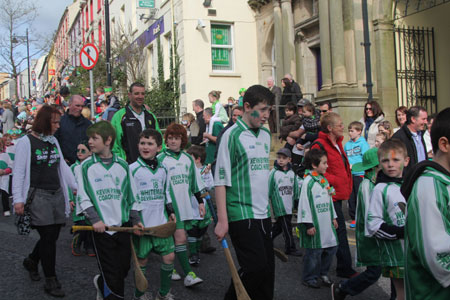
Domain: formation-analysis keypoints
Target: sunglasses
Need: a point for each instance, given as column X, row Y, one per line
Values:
column 368, row 108
column 324, row 111
column 82, row 151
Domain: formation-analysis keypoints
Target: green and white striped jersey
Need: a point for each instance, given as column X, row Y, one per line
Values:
column 153, row 191
column 427, row 238
column 108, row 188
column 384, row 207
column 283, row 190
column 367, row 250
column 242, row 166
column 315, row 206
column 184, row 181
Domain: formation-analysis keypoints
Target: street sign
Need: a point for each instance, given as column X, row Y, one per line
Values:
column 146, row 3
column 33, row 75
column 88, row 56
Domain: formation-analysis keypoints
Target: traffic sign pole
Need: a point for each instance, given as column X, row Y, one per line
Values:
column 91, row 80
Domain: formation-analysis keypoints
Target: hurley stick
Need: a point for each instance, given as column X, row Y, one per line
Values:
column 241, row 293
column 163, row 231
column 139, row 277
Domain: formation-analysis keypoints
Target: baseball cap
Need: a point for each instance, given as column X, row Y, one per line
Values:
column 303, row 102
column 285, row 152
column 370, row 160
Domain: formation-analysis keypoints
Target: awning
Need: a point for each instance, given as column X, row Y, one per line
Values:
column 404, row 8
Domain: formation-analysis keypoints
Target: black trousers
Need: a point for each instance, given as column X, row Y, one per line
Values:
column 45, row 249
column 5, row 200
column 353, row 196
column 343, row 255
column 254, row 250
column 113, row 257
column 84, row 237
column 284, row 225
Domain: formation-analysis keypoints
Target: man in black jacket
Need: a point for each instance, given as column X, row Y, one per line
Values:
column 411, row 134
column 297, row 90
column 198, row 106
column 72, row 129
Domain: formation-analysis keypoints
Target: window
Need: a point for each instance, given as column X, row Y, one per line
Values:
column 221, row 47
column 100, row 34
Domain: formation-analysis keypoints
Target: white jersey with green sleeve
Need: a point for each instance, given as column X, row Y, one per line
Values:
column 427, row 238
column 184, row 181
column 242, row 166
column 107, row 188
column 315, row 207
column 283, row 190
column 153, row 191
column 384, row 207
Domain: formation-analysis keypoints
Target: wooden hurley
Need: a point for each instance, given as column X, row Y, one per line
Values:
column 139, row 277
column 163, row 231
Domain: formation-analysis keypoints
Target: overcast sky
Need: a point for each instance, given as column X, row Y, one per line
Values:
column 49, row 14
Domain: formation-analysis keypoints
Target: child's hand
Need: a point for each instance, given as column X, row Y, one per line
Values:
column 290, row 140
column 72, row 205
column 18, row 208
column 311, row 231
column 172, row 218
column 99, row 227
column 335, row 223
column 138, row 229
column 299, row 146
column 201, row 209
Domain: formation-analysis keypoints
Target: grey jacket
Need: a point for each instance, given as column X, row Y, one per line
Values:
column 7, row 119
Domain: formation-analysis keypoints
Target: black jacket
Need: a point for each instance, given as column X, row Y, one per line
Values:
column 196, row 140
column 405, row 135
column 71, row 132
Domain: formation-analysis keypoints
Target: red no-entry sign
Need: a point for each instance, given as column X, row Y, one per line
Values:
column 88, row 56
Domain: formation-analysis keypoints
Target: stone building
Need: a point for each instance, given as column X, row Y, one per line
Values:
column 325, row 45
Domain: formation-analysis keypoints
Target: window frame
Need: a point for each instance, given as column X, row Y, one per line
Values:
column 231, row 47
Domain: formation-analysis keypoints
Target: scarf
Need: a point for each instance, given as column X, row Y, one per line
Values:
column 321, row 180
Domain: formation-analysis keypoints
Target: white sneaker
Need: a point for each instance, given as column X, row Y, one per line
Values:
column 169, row 296
column 175, row 275
column 99, row 293
column 191, row 279
column 146, row 296
column 7, row 213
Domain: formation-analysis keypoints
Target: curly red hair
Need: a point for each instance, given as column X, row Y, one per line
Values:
column 175, row 130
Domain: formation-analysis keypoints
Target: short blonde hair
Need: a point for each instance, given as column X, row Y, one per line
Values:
column 328, row 119
column 188, row 117
column 86, row 112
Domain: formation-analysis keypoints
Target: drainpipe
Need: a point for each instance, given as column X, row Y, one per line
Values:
column 366, row 45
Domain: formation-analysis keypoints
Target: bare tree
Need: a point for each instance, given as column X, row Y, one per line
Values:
column 14, row 15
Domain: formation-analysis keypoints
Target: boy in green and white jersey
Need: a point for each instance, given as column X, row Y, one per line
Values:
column 427, row 232
column 317, row 220
column 107, row 197
column 283, row 193
column 184, row 182
column 154, row 197
column 386, row 219
column 242, row 194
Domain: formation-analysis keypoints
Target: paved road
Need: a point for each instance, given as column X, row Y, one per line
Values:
column 76, row 273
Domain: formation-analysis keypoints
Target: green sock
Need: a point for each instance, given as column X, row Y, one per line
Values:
column 181, row 253
column 192, row 241
column 199, row 243
column 166, row 278
column 137, row 293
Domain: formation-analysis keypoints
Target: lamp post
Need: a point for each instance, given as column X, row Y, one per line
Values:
column 15, row 41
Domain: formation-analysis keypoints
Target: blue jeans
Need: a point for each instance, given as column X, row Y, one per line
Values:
column 317, row 262
column 356, row 285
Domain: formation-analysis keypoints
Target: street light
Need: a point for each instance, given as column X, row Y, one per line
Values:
column 15, row 41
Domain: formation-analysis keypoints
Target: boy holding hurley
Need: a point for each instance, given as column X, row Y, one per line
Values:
column 242, row 195
column 107, row 197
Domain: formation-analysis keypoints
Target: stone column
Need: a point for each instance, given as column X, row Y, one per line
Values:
column 278, row 41
column 325, row 49
column 288, row 37
column 338, row 42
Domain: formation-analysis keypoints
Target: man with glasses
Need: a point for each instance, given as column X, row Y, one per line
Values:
column 325, row 107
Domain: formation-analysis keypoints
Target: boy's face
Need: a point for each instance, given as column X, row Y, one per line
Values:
column 307, row 113
column 381, row 129
column 174, row 143
column 207, row 118
column 257, row 114
column 288, row 112
column 82, row 152
column 323, row 165
column 393, row 162
column 148, row 148
column 283, row 160
column 8, row 142
column 378, row 141
column 97, row 145
column 103, row 107
column 353, row 133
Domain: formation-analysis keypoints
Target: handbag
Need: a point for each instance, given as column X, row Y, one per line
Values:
column 23, row 222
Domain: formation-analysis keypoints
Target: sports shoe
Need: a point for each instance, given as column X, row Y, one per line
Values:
column 191, row 279
column 90, row 252
column 336, row 292
column 311, row 284
column 175, row 275
column 294, row 252
column 99, row 292
column 194, row 259
column 326, row 280
column 7, row 213
column 76, row 245
column 146, row 296
column 352, row 224
column 169, row 296
column 32, row 267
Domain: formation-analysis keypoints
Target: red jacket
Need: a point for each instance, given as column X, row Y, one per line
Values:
column 338, row 174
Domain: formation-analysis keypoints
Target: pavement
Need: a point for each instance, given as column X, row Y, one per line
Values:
column 76, row 273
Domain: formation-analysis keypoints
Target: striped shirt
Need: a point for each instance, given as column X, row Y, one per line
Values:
column 283, row 190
